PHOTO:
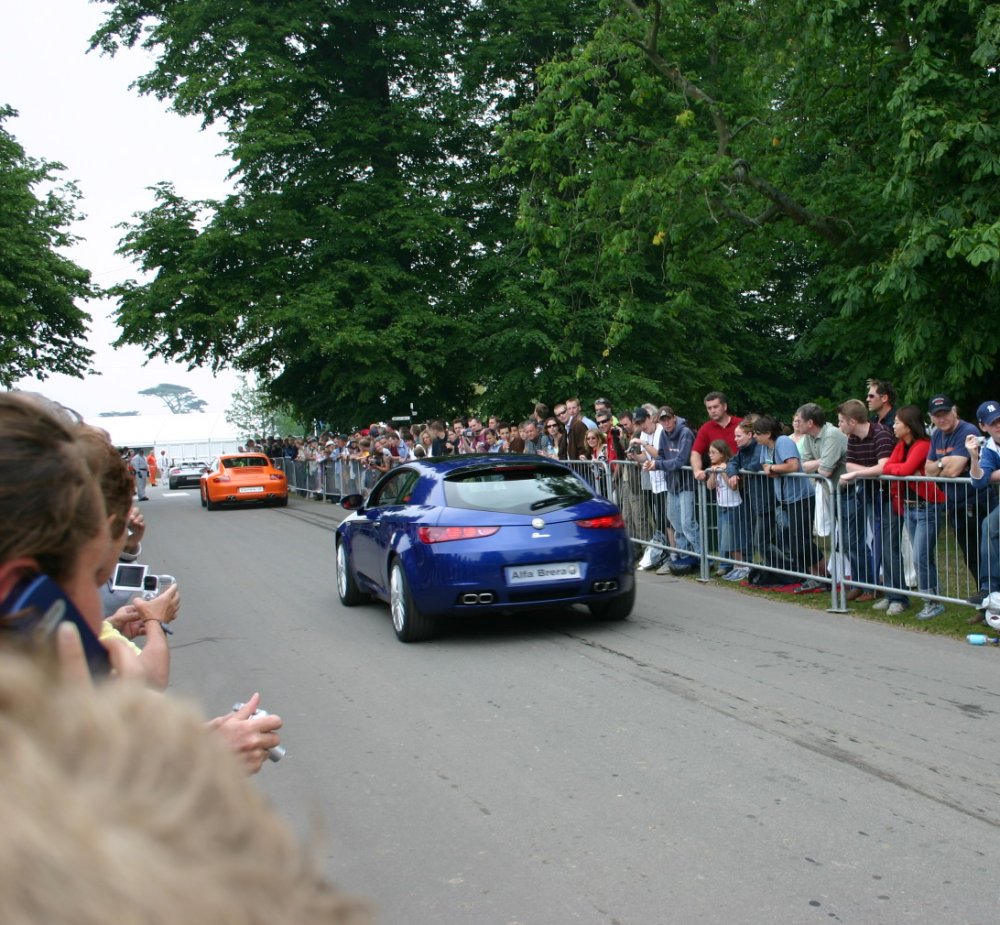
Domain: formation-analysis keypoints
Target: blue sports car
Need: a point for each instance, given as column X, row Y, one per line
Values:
column 480, row 533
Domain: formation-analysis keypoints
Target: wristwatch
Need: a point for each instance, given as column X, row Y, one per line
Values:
column 940, row 463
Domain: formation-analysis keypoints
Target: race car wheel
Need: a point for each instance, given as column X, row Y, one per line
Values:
column 347, row 587
column 408, row 622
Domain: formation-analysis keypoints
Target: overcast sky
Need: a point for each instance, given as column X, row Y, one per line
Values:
column 77, row 109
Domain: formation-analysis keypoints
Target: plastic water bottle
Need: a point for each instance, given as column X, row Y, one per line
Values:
column 978, row 639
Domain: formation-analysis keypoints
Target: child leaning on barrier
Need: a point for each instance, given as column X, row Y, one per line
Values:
column 729, row 502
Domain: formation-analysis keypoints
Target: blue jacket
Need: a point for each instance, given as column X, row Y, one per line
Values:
column 754, row 488
column 675, row 455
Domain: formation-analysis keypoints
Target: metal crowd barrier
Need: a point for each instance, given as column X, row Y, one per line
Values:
column 847, row 535
column 327, row 480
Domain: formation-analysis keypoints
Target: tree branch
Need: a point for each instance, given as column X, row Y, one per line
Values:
column 780, row 200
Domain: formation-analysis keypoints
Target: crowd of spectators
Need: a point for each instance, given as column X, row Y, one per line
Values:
column 762, row 477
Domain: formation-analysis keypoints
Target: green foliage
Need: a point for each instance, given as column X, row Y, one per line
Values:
column 503, row 202
column 345, row 268
column 41, row 327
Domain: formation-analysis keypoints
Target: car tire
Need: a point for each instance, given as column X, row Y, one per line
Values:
column 201, row 494
column 173, row 485
column 281, row 502
column 210, row 504
column 407, row 620
column 347, row 587
column 618, row 608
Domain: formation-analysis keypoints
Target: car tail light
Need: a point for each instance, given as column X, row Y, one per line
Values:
column 447, row 534
column 608, row 522
column 222, row 478
column 276, row 477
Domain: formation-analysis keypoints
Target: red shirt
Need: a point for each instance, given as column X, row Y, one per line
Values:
column 712, row 430
column 909, row 460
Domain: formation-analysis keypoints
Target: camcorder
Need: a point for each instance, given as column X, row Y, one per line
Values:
column 136, row 579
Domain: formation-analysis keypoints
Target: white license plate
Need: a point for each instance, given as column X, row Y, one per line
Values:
column 253, row 490
column 551, row 571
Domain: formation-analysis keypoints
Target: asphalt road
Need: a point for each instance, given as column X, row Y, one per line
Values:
column 716, row 759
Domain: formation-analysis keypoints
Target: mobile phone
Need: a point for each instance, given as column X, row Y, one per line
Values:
column 151, row 583
column 129, row 576
column 37, row 605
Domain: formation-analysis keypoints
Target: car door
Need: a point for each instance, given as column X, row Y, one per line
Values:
column 378, row 524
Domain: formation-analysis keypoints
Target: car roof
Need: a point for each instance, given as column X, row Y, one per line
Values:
column 445, row 465
column 240, row 455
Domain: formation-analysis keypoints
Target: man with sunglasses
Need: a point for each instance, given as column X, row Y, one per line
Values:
column 881, row 399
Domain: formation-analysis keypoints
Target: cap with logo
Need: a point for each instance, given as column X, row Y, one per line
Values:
column 940, row 403
column 988, row 412
column 640, row 414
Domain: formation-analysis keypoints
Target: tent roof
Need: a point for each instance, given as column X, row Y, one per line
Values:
column 168, row 429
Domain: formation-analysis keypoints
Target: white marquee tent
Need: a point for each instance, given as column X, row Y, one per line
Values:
column 182, row 436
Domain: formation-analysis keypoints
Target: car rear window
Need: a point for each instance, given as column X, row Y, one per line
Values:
column 240, row 462
column 515, row 489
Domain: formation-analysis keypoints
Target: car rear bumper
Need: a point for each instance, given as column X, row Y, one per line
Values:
column 449, row 581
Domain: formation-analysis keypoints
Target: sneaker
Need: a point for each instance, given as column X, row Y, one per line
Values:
column 810, row 584
column 723, row 570
column 895, row 609
column 665, row 568
column 980, row 599
column 646, row 562
column 881, row 604
column 930, row 610
column 740, row 573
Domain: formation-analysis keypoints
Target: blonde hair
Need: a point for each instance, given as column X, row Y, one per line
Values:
column 119, row 806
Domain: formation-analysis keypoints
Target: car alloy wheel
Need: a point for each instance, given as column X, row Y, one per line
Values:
column 408, row 622
column 347, row 587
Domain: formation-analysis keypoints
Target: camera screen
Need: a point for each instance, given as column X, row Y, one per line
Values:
column 128, row 577
column 149, row 583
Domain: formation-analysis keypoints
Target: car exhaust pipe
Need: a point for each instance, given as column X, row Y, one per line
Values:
column 599, row 587
column 473, row 597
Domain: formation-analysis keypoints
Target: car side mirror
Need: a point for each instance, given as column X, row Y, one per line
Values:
column 352, row 502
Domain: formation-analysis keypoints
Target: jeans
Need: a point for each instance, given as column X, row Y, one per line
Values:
column 890, row 548
column 989, row 553
column 855, row 514
column 680, row 512
column 796, row 526
column 863, row 506
column 922, row 521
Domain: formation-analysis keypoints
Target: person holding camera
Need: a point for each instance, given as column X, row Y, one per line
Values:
column 966, row 507
column 984, row 470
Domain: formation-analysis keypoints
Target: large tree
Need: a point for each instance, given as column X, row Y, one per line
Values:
column 42, row 329
column 796, row 194
column 179, row 399
column 345, row 267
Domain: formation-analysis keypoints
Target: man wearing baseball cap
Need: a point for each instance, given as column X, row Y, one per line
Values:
column 948, row 458
column 984, row 471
